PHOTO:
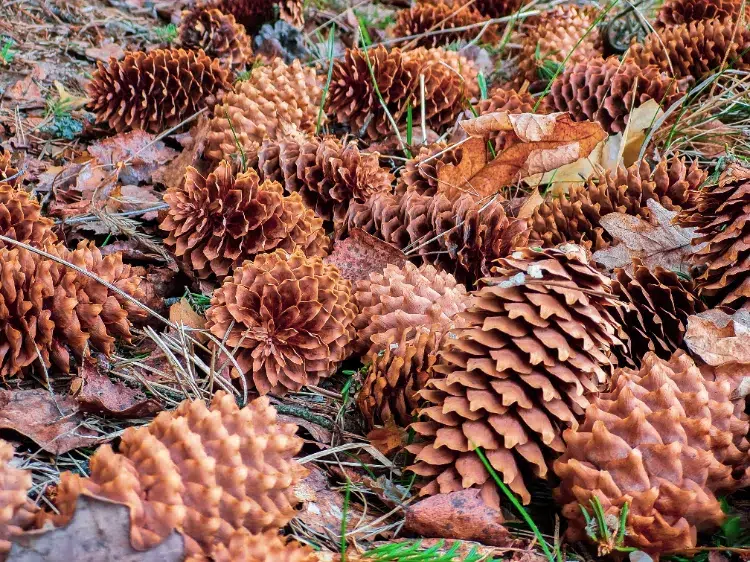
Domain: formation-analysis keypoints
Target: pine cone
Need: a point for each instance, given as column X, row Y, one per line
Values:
column 425, row 17
column 696, row 48
column 605, row 90
column 499, row 8
column 18, row 510
column 243, row 546
column 156, row 90
column 290, row 318
column 254, row 13
column 217, row 222
column 21, row 216
column 327, row 173
column 7, row 170
column 420, row 174
column 662, row 441
column 275, row 100
column 722, row 217
column 538, row 343
column 660, row 303
column 677, row 12
column 556, row 35
column 576, row 218
column 217, row 34
column 381, row 215
column 207, row 472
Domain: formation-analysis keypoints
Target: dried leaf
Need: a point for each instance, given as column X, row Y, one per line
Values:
column 99, row 530
column 194, row 143
column 388, row 438
column 142, row 152
column 362, row 254
column 181, row 313
column 105, row 51
column 657, row 243
column 67, row 100
column 530, row 205
column 718, row 338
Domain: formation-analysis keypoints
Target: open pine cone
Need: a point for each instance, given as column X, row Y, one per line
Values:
column 290, row 318
column 218, row 34
column 677, row 12
column 244, row 546
column 606, row 90
column 576, row 217
column 663, row 440
column 155, row 90
column 722, row 217
column 274, row 101
column 217, row 222
column 425, row 17
column 537, row 344
column 498, row 8
column 327, row 173
column 207, row 472
column 21, row 217
column 17, row 511
column 7, row 170
column 695, row 48
column 254, row 13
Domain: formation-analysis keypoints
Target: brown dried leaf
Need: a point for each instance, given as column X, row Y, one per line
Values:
column 459, row 515
column 194, row 143
column 388, row 438
column 362, row 254
column 105, row 51
column 718, row 338
column 99, row 530
column 52, row 422
column 142, row 152
column 531, row 204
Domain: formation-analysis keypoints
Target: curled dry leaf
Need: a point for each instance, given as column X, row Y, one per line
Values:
column 194, row 143
column 137, row 154
column 718, row 338
column 362, row 254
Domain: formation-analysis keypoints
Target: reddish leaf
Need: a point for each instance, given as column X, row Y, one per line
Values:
column 362, row 254
column 142, row 152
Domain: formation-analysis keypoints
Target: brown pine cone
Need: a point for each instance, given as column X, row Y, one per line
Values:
column 576, row 218
column 276, row 100
column 425, row 17
column 244, row 546
column 18, row 510
column 156, row 90
column 606, row 90
column 217, row 222
column 21, row 216
column 420, row 174
column 659, row 304
column 557, row 35
column 218, row 34
column 722, row 217
column 327, row 173
column 661, row 441
column 290, row 318
column 538, row 342
column 499, row 8
column 7, row 170
column 254, row 13
column 207, row 472
column 696, row 48
column 677, row 12
column 382, row 216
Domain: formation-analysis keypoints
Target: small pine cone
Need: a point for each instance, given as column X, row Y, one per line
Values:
column 576, row 218
column 397, row 372
column 217, row 34
column 722, row 217
column 274, row 101
column 21, row 216
column 659, row 304
column 156, row 90
column 425, row 17
column 420, row 174
column 537, row 344
column 677, row 12
column 217, row 222
column 661, row 441
column 605, row 90
column 696, row 48
column 290, row 318
column 17, row 510
column 207, row 472
column 327, row 173
column 556, row 35
column 403, row 298
column 244, row 546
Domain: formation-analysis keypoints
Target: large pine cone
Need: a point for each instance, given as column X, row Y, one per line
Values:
column 275, row 100
column 538, row 343
column 696, row 48
column 425, row 17
column 327, row 173
column 722, row 216
column 18, row 510
column 556, row 35
column 254, row 13
column 207, row 472
column 659, row 304
column 290, row 318
column 576, row 218
column 217, row 222
column 218, row 34
column 21, row 217
column 606, row 90
column 663, row 441
column 155, row 90
column 244, row 546
column 677, row 12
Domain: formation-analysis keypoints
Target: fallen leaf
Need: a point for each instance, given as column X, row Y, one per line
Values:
column 718, row 338
column 641, row 119
column 182, row 314
column 656, row 243
column 362, row 254
column 105, row 51
column 318, row 433
column 52, row 422
column 194, row 143
column 99, row 530
column 142, row 152
column 459, row 515
column 530, row 205
column 68, row 101
column 388, row 438
column 95, row 392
